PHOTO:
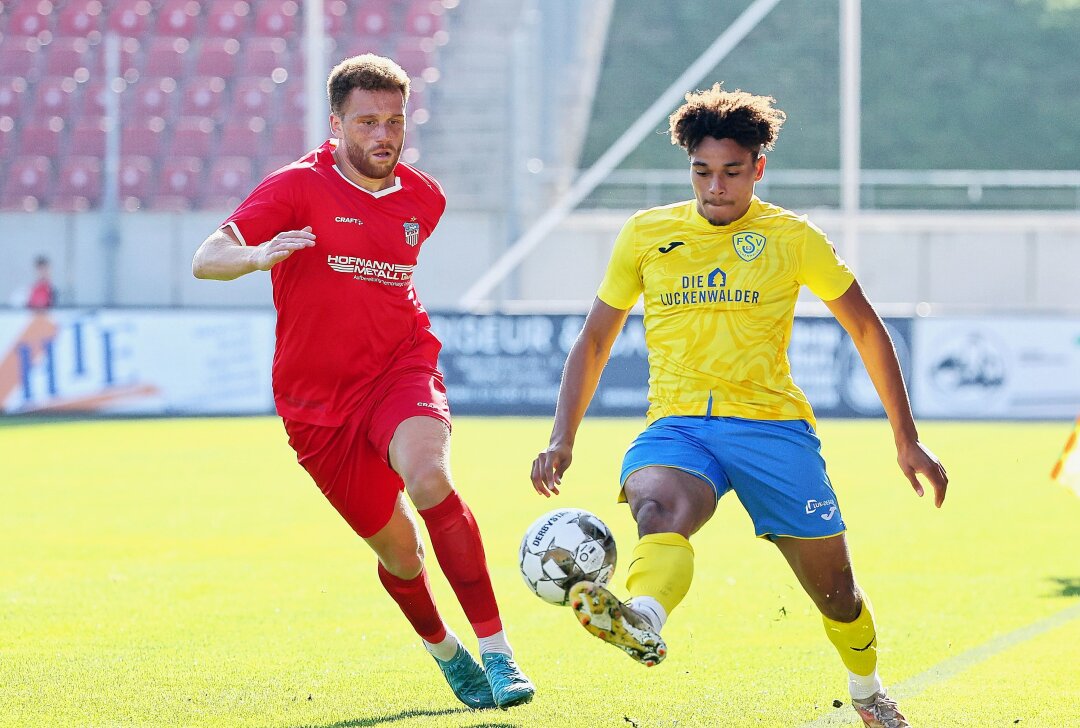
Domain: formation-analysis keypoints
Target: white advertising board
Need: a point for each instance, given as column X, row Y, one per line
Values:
column 1018, row 367
column 138, row 362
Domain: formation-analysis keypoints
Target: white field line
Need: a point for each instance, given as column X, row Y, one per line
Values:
column 945, row 670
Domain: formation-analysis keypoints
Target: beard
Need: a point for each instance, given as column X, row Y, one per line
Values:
column 365, row 163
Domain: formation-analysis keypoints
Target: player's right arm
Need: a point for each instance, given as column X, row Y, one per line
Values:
column 222, row 257
column 581, row 374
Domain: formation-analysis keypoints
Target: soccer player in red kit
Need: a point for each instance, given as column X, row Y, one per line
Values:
column 355, row 367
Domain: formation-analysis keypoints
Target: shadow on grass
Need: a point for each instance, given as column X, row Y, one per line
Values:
column 1066, row 586
column 405, row 715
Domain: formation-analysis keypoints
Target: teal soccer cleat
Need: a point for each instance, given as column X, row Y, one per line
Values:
column 508, row 683
column 467, row 679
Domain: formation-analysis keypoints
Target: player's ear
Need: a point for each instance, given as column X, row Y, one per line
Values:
column 335, row 125
column 759, row 168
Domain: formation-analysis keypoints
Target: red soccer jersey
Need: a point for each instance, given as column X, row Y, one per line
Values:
column 346, row 307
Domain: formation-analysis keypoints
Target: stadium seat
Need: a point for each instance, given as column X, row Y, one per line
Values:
column 78, row 186
column 131, row 64
column 288, row 138
column 230, row 182
column 7, row 138
column 153, row 96
column 192, row 136
column 167, row 57
column 64, row 56
column 14, row 98
column 27, row 183
column 93, row 97
column 135, row 181
column 79, row 19
column 414, row 55
column 203, row 96
column 243, row 137
column 88, row 135
column 217, row 57
column 42, row 138
column 30, row 19
column 253, row 96
column 372, row 17
column 130, row 18
column 178, row 18
column 227, row 19
column 423, row 18
column 20, row 56
column 261, row 56
column 276, row 18
column 335, row 12
column 354, row 45
column 178, row 184
column 53, row 97
column 145, row 138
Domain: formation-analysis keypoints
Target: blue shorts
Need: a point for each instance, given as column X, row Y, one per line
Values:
column 774, row 466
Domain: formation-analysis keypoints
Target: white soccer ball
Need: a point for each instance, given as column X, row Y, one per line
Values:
column 563, row 547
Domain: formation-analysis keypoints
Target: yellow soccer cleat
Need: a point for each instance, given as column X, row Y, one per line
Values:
column 616, row 623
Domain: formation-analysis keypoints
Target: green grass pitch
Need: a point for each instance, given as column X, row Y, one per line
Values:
column 187, row 573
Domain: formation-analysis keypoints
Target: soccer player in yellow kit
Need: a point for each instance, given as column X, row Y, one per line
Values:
column 720, row 275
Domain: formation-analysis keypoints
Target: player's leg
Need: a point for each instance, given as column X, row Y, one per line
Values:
column 823, row 567
column 419, row 451
column 668, row 482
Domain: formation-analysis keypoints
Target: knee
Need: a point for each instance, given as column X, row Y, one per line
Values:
column 427, row 483
column 841, row 602
column 654, row 516
column 404, row 563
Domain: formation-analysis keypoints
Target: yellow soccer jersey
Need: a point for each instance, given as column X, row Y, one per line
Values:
column 719, row 305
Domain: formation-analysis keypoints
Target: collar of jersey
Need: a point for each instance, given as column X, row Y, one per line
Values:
column 330, row 146
column 699, row 220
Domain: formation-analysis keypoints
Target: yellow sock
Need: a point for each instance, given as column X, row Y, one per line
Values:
column 661, row 567
column 855, row 641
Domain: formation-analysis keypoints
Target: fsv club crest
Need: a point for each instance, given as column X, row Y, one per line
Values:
column 748, row 245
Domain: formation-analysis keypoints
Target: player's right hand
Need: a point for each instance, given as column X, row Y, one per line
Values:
column 281, row 246
column 548, row 469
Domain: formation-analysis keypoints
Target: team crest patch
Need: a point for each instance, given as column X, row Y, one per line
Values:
column 748, row 245
column 412, row 232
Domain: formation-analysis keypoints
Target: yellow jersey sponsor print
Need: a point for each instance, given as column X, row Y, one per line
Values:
column 719, row 305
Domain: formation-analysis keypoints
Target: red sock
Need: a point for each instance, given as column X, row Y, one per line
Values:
column 414, row 598
column 457, row 545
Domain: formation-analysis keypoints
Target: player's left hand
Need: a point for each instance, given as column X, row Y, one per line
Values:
column 916, row 459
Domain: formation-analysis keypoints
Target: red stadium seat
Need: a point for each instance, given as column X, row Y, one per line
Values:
column 145, row 138
column 179, row 183
column 20, row 56
column 27, row 183
column 261, row 56
column 354, row 45
column 64, row 56
column 372, row 17
column 178, row 18
column 243, row 137
column 93, row 98
column 203, row 96
column 414, row 55
column 424, row 18
column 192, row 136
column 335, row 12
column 276, row 17
column 135, row 180
column 30, row 18
column 80, row 18
column 227, row 19
column 7, row 137
column 43, row 138
column 53, row 97
column 153, row 97
column 14, row 98
column 230, row 182
column 217, row 57
column 253, row 96
column 288, row 138
column 88, row 136
column 130, row 59
column 78, row 186
column 130, row 18
column 167, row 57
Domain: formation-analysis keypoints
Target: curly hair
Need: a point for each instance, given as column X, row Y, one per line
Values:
column 751, row 121
column 369, row 72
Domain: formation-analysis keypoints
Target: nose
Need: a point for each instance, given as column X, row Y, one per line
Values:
column 716, row 185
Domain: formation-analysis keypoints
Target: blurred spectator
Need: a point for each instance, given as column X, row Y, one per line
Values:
column 43, row 292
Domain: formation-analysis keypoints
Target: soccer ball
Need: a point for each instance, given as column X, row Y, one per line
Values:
column 563, row 547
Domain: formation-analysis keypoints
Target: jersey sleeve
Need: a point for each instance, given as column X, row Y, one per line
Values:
column 271, row 208
column 622, row 284
column 823, row 271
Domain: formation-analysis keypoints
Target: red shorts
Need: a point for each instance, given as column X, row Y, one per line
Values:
column 350, row 463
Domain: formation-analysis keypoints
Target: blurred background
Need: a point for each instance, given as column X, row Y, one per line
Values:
column 936, row 143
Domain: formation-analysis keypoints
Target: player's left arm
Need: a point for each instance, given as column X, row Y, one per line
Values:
column 875, row 347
